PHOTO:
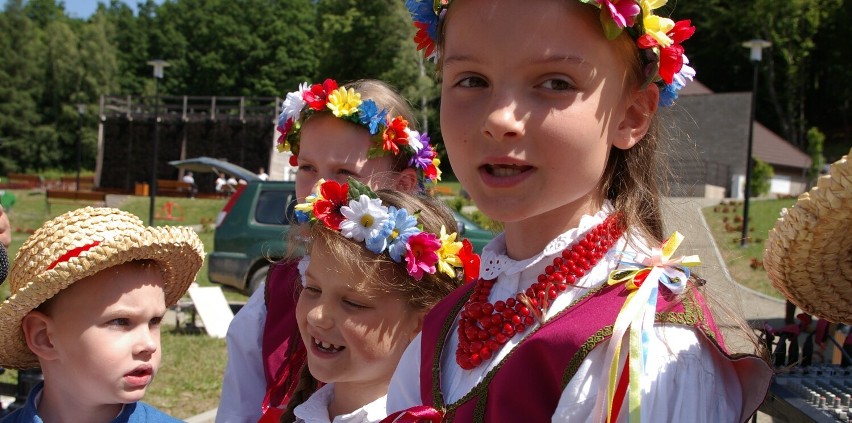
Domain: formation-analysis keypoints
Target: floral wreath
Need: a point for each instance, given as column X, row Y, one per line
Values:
column 658, row 38
column 357, row 213
column 390, row 135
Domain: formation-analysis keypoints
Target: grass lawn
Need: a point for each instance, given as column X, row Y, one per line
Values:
column 746, row 264
column 190, row 378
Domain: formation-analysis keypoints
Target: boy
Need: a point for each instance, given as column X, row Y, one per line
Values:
column 89, row 289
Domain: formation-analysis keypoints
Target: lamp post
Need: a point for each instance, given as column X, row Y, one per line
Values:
column 158, row 75
column 756, row 47
column 81, row 109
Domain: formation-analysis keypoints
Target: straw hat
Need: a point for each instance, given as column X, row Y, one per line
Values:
column 809, row 252
column 79, row 244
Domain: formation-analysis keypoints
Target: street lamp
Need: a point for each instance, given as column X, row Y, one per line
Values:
column 81, row 110
column 158, row 75
column 756, row 47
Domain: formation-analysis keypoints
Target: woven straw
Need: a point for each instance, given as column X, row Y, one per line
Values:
column 809, row 251
column 122, row 237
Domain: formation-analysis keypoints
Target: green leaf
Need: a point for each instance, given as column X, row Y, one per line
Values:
column 357, row 189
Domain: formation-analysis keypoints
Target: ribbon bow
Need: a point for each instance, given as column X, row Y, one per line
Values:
column 642, row 275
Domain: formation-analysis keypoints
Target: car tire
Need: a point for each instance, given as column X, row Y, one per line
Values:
column 258, row 278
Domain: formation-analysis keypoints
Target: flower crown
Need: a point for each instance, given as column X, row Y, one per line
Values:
column 357, row 213
column 390, row 135
column 658, row 38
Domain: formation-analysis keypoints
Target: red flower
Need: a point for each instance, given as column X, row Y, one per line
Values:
column 294, row 161
column 422, row 39
column 395, row 135
column 470, row 261
column 671, row 57
column 317, row 96
column 327, row 209
column 431, row 172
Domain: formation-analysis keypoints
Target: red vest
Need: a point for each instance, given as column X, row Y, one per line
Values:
column 528, row 383
column 283, row 350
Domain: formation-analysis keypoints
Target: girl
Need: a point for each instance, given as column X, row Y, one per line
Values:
column 322, row 126
column 373, row 269
column 548, row 118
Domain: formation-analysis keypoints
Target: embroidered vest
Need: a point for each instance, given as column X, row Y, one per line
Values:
column 528, row 383
column 282, row 348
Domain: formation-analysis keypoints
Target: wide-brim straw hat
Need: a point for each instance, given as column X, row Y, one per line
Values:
column 79, row 244
column 809, row 251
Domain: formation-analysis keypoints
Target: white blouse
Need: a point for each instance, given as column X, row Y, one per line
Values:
column 687, row 378
column 315, row 409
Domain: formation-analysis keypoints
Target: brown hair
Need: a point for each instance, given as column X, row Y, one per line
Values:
column 381, row 273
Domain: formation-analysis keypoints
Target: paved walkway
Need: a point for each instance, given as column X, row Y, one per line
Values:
column 727, row 298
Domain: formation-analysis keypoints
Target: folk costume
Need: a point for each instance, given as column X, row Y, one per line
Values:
column 315, row 409
column 561, row 369
column 264, row 346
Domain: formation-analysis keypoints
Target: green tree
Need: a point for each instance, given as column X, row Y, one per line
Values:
column 790, row 70
column 368, row 39
column 20, row 89
column 816, row 140
column 761, row 177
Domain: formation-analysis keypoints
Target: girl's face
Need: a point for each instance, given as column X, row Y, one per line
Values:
column 353, row 338
column 334, row 150
column 533, row 97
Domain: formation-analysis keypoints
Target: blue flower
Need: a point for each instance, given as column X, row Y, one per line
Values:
column 669, row 94
column 423, row 11
column 379, row 242
column 403, row 226
column 371, row 115
column 302, row 217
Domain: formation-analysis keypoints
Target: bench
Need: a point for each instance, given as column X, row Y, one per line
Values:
column 25, row 181
column 70, row 182
column 91, row 197
column 172, row 188
column 442, row 190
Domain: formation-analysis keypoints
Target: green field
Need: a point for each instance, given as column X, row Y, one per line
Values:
column 746, row 264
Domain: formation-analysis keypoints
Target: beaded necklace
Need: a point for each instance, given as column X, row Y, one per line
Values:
column 485, row 327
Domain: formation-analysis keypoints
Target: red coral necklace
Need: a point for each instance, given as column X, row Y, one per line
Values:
column 485, row 327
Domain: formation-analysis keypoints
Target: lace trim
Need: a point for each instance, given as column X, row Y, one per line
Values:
column 495, row 261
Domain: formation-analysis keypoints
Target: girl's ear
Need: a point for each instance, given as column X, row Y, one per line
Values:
column 36, row 327
column 641, row 107
column 406, row 181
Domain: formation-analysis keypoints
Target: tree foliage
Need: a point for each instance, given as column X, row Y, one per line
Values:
column 49, row 62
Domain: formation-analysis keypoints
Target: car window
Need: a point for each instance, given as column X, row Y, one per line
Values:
column 273, row 207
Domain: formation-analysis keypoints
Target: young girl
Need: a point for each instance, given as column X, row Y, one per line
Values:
column 372, row 141
column 376, row 263
column 580, row 315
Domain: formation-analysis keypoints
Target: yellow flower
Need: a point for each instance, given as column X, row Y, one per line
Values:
column 344, row 103
column 437, row 162
column 448, row 254
column 656, row 26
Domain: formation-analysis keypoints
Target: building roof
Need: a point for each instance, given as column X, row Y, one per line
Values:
column 768, row 146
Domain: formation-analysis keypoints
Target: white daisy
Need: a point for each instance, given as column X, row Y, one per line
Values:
column 364, row 218
column 414, row 139
column 294, row 103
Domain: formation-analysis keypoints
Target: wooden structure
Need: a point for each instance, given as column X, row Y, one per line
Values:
column 237, row 129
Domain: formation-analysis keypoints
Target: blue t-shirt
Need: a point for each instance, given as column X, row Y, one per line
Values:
column 136, row 412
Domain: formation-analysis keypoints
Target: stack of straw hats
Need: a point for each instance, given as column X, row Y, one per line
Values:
column 79, row 244
column 809, row 251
